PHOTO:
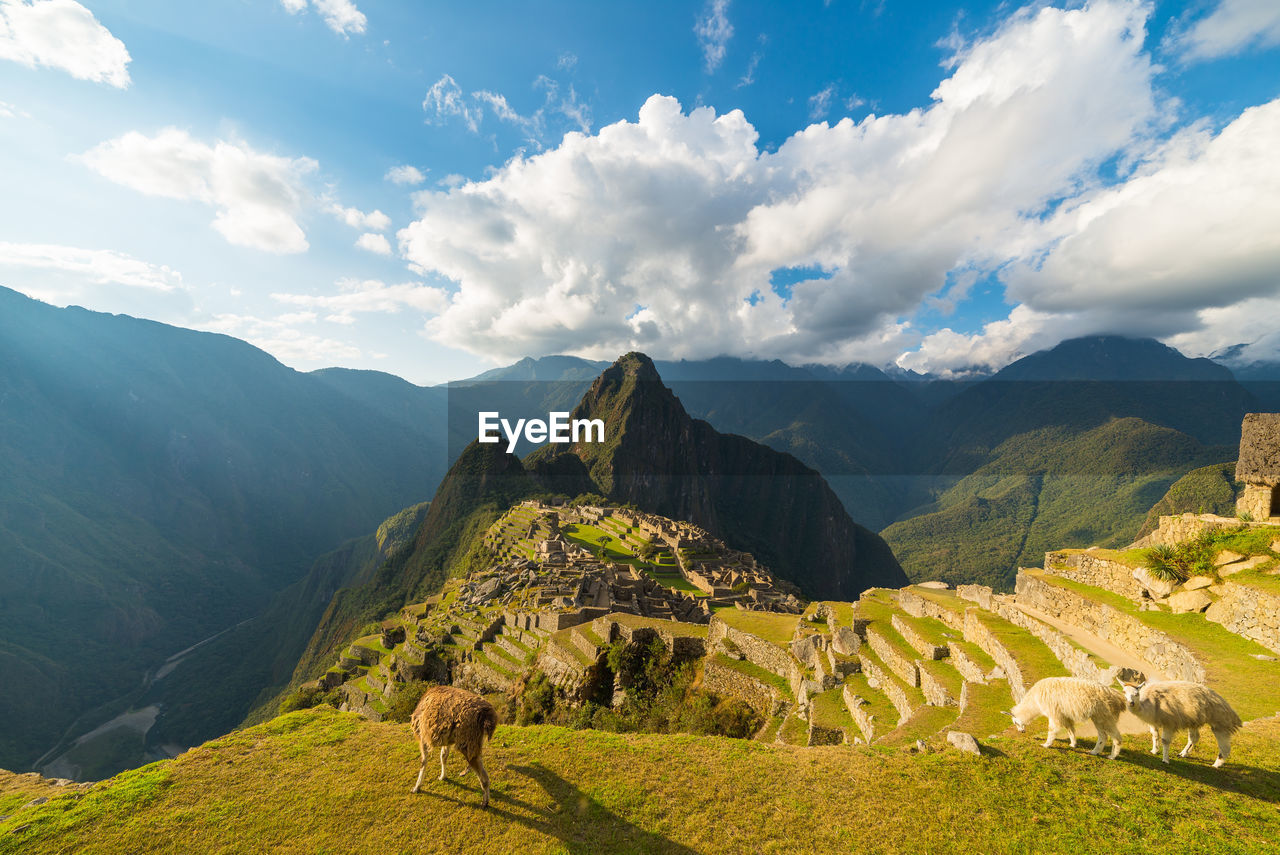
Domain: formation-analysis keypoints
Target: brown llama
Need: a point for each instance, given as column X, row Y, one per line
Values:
column 447, row 716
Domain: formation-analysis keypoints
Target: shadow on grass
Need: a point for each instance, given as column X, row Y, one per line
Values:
column 1251, row 781
column 578, row 821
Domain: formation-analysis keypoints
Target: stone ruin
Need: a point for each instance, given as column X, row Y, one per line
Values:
column 1258, row 467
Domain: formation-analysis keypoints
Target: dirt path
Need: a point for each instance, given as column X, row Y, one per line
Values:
column 1129, row 724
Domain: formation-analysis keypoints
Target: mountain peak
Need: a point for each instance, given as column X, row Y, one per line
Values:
column 1112, row 358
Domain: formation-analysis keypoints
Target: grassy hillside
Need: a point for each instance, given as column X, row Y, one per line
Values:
column 323, row 781
column 1046, row 489
column 1208, row 490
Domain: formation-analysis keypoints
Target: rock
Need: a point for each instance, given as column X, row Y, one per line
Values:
column 1241, row 566
column 845, row 641
column 806, row 650
column 1195, row 583
column 1226, row 556
column 1264, row 657
column 937, row 586
column 38, row 801
column 964, row 742
column 1158, row 588
column 1275, row 546
column 62, row 782
column 1189, row 601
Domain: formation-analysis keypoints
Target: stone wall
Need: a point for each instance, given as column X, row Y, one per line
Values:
column 905, row 668
column 757, row 651
column 926, row 649
column 1255, row 500
column 882, row 680
column 977, row 633
column 1089, row 569
column 969, row 669
column 860, row 714
column 917, row 606
column 980, row 594
column 730, row 682
column 1248, row 612
column 1077, row 661
column 1122, row 630
column 935, row 692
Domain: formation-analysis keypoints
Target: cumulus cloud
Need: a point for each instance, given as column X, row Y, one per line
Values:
column 62, row 34
column 1232, row 27
column 357, row 219
column 257, row 196
column 407, row 175
column 99, row 266
column 341, row 16
column 714, row 30
column 375, row 243
column 1198, row 225
column 663, row 233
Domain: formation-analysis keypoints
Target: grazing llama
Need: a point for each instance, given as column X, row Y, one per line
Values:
column 1172, row 705
column 1067, row 701
column 447, row 716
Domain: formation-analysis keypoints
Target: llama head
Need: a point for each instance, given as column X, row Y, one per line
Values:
column 1131, row 693
column 1017, row 722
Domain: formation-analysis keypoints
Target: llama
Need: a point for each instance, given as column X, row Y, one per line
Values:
column 1172, row 705
column 447, row 716
column 1066, row 701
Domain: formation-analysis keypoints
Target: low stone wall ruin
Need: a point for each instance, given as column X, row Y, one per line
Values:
column 758, row 652
column 729, row 682
column 1089, row 569
column 1122, row 630
column 1248, row 612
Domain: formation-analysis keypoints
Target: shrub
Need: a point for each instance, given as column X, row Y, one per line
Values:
column 307, row 697
column 405, row 700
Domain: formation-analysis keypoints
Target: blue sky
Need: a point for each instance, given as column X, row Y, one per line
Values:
column 960, row 182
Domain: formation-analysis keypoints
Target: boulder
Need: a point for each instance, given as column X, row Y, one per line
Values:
column 845, row 641
column 1226, row 556
column 1158, row 588
column 937, row 586
column 806, row 650
column 1189, row 601
column 1240, row 566
column 1195, row 583
column 964, row 742
column 1275, row 545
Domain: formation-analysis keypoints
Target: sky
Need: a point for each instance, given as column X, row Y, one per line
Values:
column 434, row 189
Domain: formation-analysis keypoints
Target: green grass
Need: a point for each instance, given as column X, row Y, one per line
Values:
column 697, row 630
column 794, row 730
column 932, row 631
column 983, row 716
column 886, row 717
column 1035, row 660
column 949, row 600
column 828, row 710
column 925, row 723
column 774, row 628
column 943, row 672
column 974, row 652
column 1248, row 684
column 314, row 789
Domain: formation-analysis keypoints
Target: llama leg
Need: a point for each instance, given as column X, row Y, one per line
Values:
column 1103, row 732
column 1193, row 736
column 1224, row 747
column 422, row 750
column 1155, row 740
column 478, row 765
column 1166, row 736
column 1071, row 733
column 444, row 755
column 1115, row 740
column 1054, row 727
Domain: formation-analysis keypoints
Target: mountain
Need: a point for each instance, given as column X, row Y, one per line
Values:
column 158, row 486
column 659, row 459
column 545, row 369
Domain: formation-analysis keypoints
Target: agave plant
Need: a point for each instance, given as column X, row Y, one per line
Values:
column 1167, row 563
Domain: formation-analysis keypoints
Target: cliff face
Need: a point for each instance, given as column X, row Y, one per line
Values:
column 758, row 499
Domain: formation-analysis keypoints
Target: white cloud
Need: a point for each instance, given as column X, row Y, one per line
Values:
column 9, row 111
column 662, row 234
column 371, row 296
column 65, row 35
column 1234, row 26
column 445, row 100
column 820, row 102
column 1197, row 226
column 341, row 16
column 99, row 266
column 358, row 219
column 566, row 61
column 409, row 175
column 257, row 196
column 375, row 243
column 714, row 30
column 281, row 339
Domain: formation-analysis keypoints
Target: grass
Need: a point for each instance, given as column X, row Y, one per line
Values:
column 1035, row 660
column 976, row 653
column 947, row 599
column 932, row 631
column 943, row 672
column 1248, row 684
column 828, row 710
column 983, row 715
column 794, row 730
column 697, row 630
column 876, row 705
column 329, row 782
column 774, row 628
column 923, row 724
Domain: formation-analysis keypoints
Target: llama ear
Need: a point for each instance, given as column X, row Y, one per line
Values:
column 1006, row 712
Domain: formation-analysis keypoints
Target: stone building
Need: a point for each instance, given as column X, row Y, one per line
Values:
column 1259, row 466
